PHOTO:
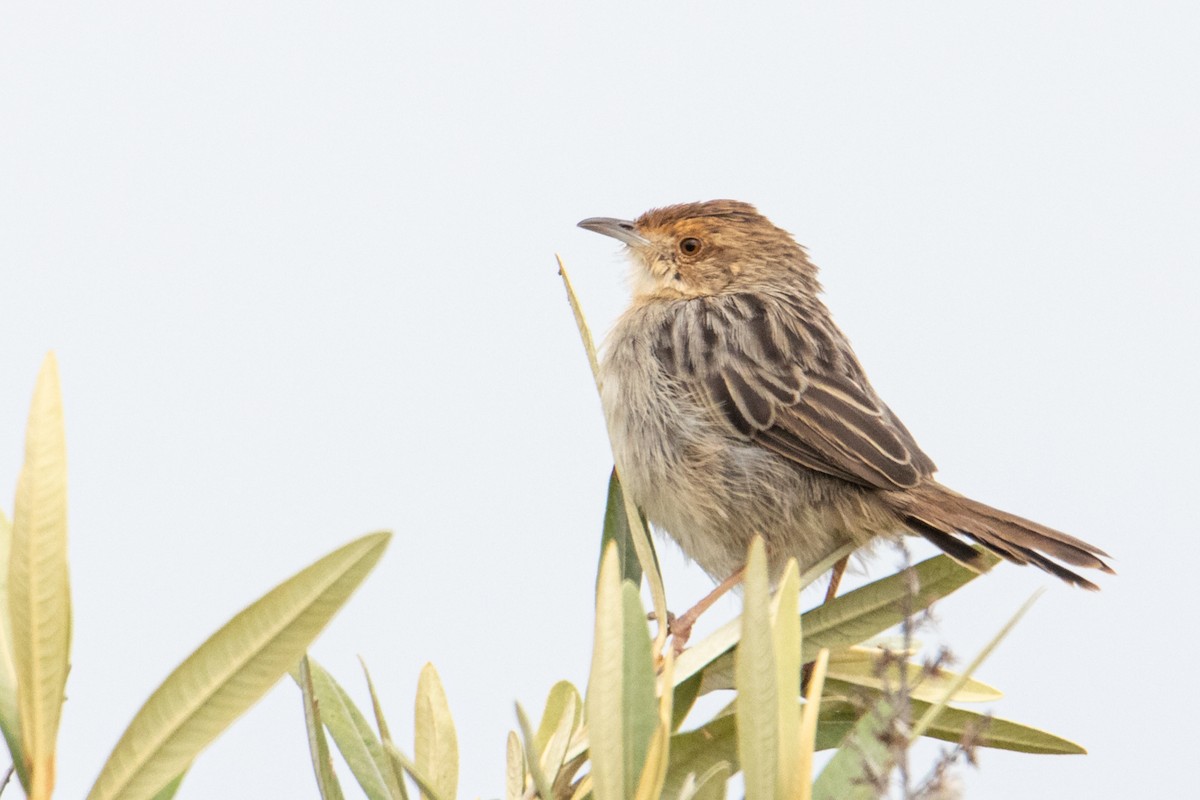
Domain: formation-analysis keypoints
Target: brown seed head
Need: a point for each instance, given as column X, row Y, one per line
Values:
column 704, row 249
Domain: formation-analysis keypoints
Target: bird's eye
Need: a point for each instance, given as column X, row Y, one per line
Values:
column 689, row 246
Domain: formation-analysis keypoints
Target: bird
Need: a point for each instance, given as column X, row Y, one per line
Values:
column 737, row 407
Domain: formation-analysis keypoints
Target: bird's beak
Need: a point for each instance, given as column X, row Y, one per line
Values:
column 620, row 229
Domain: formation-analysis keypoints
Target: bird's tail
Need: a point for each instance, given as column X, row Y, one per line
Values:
column 938, row 513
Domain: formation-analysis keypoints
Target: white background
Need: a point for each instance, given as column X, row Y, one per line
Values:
column 297, row 262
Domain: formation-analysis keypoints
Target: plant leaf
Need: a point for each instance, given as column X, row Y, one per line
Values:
column 861, row 666
column 318, row 747
column 514, row 773
column 435, row 744
column 754, row 668
column 230, row 671
column 861, row 762
column 396, row 784
column 838, row 716
column 786, row 630
column 562, row 695
column 361, row 749
column 621, row 705
column 864, row 612
column 540, row 782
column 616, row 529
column 808, row 727
column 39, row 584
column 638, row 534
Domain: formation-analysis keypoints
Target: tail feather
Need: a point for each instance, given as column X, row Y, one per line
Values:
column 937, row 513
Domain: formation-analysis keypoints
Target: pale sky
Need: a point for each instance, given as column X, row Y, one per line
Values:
column 297, row 262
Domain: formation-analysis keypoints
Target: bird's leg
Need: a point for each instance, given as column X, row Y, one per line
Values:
column 681, row 626
column 835, row 578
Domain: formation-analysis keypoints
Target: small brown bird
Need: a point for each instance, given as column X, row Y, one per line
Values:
column 737, row 407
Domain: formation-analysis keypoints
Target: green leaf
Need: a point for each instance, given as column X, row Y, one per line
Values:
column 396, row 784
column 616, row 529
column 230, row 671
column 757, row 696
column 435, row 743
column 858, row 615
column 851, row 618
column 637, row 528
column 786, row 625
column 861, row 666
column 352, row 734
column 709, row 786
column 318, row 747
column 862, row 761
column 621, row 701
column 541, row 783
column 697, row 752
column 39, row 592
column 717, row 647
column 563, row 696
column 927, row 718
column 951, row 725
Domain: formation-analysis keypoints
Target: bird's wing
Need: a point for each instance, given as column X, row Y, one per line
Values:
column 791, row 389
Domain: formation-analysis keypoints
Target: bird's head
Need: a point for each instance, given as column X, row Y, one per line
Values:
column 703, row 249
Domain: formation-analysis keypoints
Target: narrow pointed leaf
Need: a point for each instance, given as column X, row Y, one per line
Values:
column 927, row 718
column 808, row 728
column 541, row 783
column 355, row 740
column 953, row 724
column 858, row 615
column 755, row 671
column 435, row 742
column 171, row 789
column 39, row 586
column 396, row 780
column 318, row 746
column 860, row 666
column 616, row 529
column 621, row 695
column 230, row 671
column 637, row 528
column 786, row 630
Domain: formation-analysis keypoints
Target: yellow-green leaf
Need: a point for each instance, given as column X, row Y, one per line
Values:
column 39, row 586
column 514, row 773
column 861, row 666
column 230, row 671
column 562, row 695
column 318, row 746
column 786, row 627
column 621, row 696
column 435, row 742
column 396, row 783
column 757, row 696
column 361, row 749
